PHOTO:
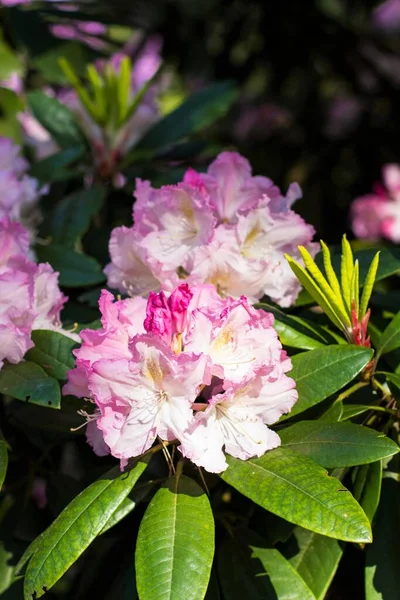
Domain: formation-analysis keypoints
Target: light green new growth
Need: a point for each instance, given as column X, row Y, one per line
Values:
column 339, row 300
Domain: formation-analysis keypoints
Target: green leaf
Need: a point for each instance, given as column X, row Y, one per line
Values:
column 29, row 382
column 286, row 581
column 76, row 269
column 338, row 444
column 56, row 118
column 6, row 570
column 76, row 527
column 3, row 461
column 295, row 488
column 120, row 513
column 390, row 338
column 315, row 557
column 199, row 111
column 72, row 216
column 353, row 410
column 322, row 372
column 295, row 332
column 175, row 545
column 9, row 62
column 53, row 168
column 368, row 285
column 383, row 557
column 367, row 487
column 53, row 352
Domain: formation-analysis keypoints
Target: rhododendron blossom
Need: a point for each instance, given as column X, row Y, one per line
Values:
column 30, row 297
column 224, row 227
column 377, row 215
column 186, row 366
column 19, row 192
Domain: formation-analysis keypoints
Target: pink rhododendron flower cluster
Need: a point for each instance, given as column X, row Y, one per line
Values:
column 19, row 192
column 30, row 297
column 224, row 227
column 377, row 215
column 186, row 366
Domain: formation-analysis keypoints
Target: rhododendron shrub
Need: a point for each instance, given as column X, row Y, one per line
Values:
column 377, row 215
column 213, row 411
column 207, row 372
column 224, row 227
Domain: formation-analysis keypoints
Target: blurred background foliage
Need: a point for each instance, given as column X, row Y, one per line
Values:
column 318, row 82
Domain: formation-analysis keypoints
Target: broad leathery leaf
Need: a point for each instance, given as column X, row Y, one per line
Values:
column 56, row 118
column 175, row 544
column 353, row 410
column 295, row 332
column 367, row 487
column 333, row 414
column 3, row 461
column 383, row 556
column 54, row 167
column 338, row 444
column 297, row 489
column 322, row 372
column 197, row 112
column 29, row 382
column 390, row 338
column 238, row 572
column 286, row 581
column 76, row 269
column 73, row 214
column 76, row 527
column 53, row 352
column 315, row 557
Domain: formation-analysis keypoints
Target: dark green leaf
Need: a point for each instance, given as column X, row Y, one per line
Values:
column 383, row 557
column 338, row 444
column 175, row 545
column 286, row 581
column 322, row 372
column 315, row 557
column 76, row 270
column 72, row 216
column 353, row 410
column 367, row 487
column 53, row 352
column 76, row 527
column 27, row 381
column 53, row 168
column 6, row 570
column 295, row 332
column 56, row 118
column 297, row 489
column 390, row 338
column 196, row 113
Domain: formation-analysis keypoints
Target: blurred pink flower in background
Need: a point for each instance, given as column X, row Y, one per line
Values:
column 261, row 122
column 343, row 115
column 387, row 15
column 377, row 215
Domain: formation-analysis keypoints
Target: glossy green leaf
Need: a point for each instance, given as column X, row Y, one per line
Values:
column 286, row 581
column 338, row 444
column 322, row 372
column 383, row 557
column 175, row 545
column 72, row 216
column 122, row 511
column 295, row 488
column 56, row 118
column 76, row 527
column 367, row 487
column 353, row 410
column 54, row 167
column 3, row 461
column 390, row 338
column 53, row 352
column 333, row 414
column 315, row 557
column 29, row 382
column 197, row 112
column 76, row 270
column 296, row 332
